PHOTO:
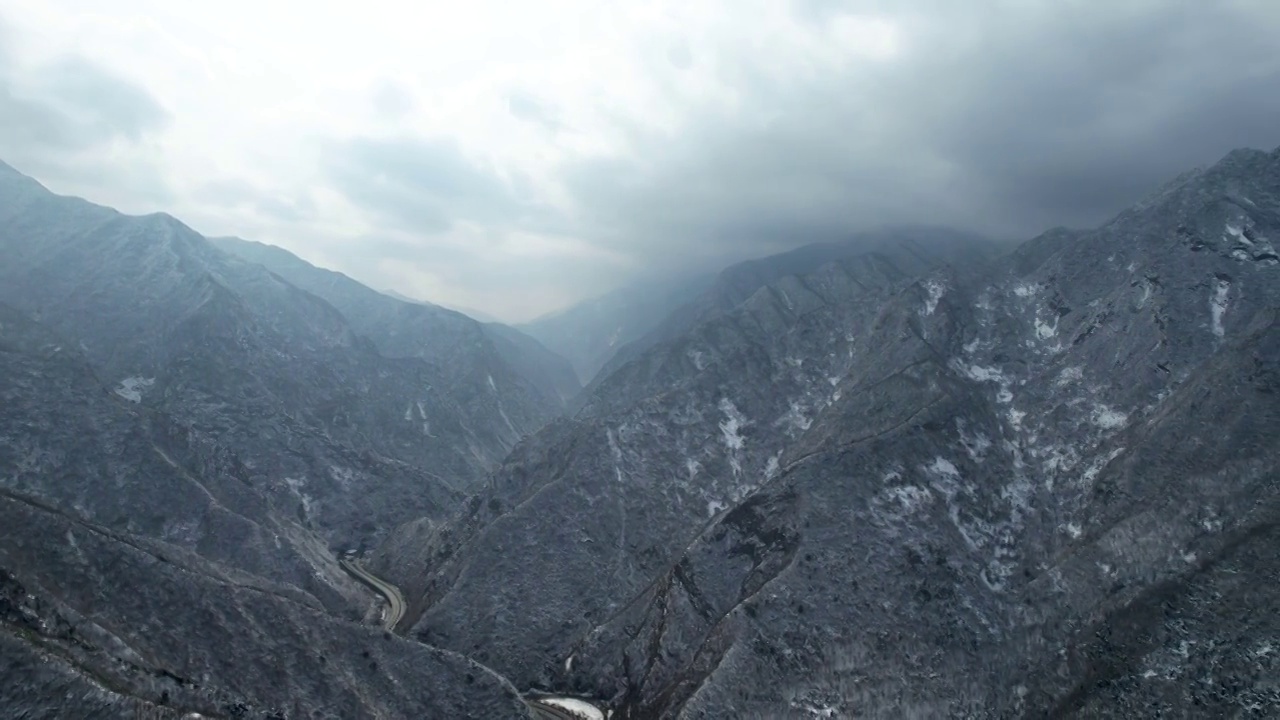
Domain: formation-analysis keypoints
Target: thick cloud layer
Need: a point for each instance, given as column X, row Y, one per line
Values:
column 61, row 118
column 513, row 160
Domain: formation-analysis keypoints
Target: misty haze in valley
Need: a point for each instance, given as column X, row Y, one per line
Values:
column 580, row 361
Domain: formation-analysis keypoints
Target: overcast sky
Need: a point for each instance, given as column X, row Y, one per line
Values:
column 516, row 156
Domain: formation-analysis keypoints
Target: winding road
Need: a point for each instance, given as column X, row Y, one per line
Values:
column 395, row 601
column 543, row 708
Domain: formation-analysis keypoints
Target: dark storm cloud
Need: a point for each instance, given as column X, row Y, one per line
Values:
column 424, row 186
column 1006, row 118
column 1090, row 113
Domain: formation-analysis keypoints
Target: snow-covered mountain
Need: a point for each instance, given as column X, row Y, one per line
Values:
column 911, row 475
column 1042, row 484
column 186, row 442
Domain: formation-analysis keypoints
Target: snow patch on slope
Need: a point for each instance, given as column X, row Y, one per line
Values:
column 730, row 431
column 934, row 290
column 1108, row 418
column 131, row 388
column 1044, row 330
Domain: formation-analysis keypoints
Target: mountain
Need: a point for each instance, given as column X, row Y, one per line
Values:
column 914, row 250
column 186, row 442
column 534, row 383
column 251, row 362
column 1043, row 484
column 589, row 333
column 144, row 574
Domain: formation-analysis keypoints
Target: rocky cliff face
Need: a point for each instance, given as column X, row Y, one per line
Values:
column 1042, row 485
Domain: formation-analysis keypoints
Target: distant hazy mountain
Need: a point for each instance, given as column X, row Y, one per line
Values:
column 535, row 383
column 478, row 315
column 1041, row 484
column 389, row 293
column 589, row 333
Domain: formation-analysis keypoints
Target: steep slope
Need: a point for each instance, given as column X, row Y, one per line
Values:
column 600, row 506
column 1042, row 486
column 143, row 574
column 246, row 363
column 914, row 250
column 589, row 333
column 68, row 442
column 533, row 383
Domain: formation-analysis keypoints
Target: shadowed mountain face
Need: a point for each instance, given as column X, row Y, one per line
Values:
column 1042, row 484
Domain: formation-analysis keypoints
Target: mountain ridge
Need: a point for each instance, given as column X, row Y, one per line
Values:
column 825, row 507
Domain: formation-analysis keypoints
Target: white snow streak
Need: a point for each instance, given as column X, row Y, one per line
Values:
column 771, row 467
column 730, row 429
column 578, row 707
column 1218, row 305
column 692, row 467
